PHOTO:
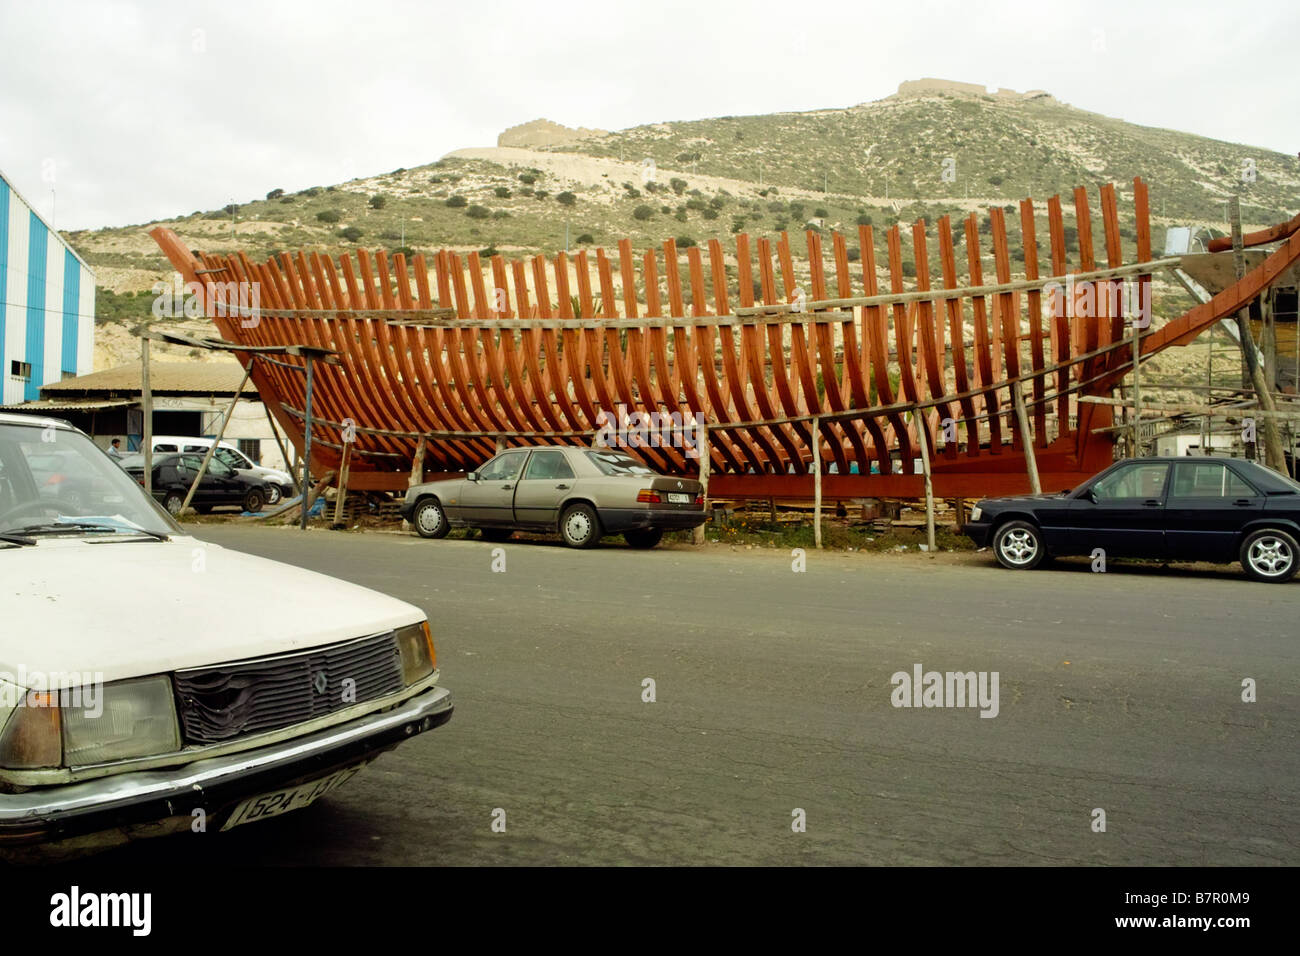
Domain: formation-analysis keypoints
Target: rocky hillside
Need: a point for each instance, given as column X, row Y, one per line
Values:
column 931, row 149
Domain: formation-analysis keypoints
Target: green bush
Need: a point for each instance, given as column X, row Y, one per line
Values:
column 678, row 185
column 680, row 215
column 500, row 214
column 820, row 213
column 586, row 239
column 311, row 191
column 696, row 204
column 378, row 201
column 275, row 194
column 540, row 194
column 995, row 180
column 527, row 179
column 489, row 252
column 405, row 251
column 457, row 201
column 501, row 192
column 328, row 215
column 566, row 199
column 684, row 241
column 710, row 214
column 286, row 199
column 642, row 212
column 864, row 220
column 231, row 209
column 478, row 212
column 351, row 233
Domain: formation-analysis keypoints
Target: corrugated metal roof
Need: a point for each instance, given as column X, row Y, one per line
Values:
column 66, row 405
column 219, row 377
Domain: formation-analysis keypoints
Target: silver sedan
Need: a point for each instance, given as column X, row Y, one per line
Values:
column 582, row 493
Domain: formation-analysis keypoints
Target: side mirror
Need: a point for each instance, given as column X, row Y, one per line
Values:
column 1091, row 495
column 472, row 476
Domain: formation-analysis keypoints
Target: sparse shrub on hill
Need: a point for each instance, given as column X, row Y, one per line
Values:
column 478, row 212
column 710, row 214
column 286, row 199
column 527, row 179
column 328, row 215
column 864, row 220
column 231, row 209
column 311, row 192
column 351, row 233
column 275, row 194
column 696, row 204
column 820, row 213
column 405, row 251
column 586, row 239
column 378, row 201
column 566, row 198
column 642, row 212
column 501, row 192
column 680, row 215
column 435, row 180
column 540, row 194
column 500, row 214
column 684, row 241
column 995, row 180
column 489, row 252
column 457, row 201
column 678, row 185
column 855, row 254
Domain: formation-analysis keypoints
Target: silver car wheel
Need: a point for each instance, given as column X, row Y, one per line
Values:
column 577, row 526
column 273, row 494
column 1270, row 556
column 429, row 517
column 1018, row 546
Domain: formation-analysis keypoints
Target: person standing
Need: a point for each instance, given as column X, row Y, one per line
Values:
column 115, row 449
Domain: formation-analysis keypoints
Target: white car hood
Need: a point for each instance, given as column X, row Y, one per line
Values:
column 129, row 608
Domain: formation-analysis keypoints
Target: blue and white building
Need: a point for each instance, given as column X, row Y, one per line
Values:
column 47, row 303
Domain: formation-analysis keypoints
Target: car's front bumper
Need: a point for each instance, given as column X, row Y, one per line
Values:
column 977, row 531
column 114, row 809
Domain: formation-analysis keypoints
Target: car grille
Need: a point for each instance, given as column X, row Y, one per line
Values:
column 222, row 703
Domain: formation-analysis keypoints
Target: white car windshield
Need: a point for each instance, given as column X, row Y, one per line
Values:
column 55, row 481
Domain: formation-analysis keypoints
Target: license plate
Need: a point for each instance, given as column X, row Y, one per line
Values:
column 291, row 798
column 674, row 499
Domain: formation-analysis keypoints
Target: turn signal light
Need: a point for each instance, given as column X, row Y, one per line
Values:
column 648, row 497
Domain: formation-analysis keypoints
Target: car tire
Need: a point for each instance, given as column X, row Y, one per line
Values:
column 1018, row 545
column 580, row 527
column 254, row 500
column 429, row 520
column 496, row 534
column 643, row 537
column 1269, row 555
column 173, row 501
column 273, row 494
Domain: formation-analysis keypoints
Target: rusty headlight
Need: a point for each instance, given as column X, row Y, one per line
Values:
column 415, row 641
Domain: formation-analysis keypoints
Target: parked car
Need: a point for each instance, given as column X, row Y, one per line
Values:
column 221, row 486
column 117, row 725
column 278, row 483
column 583, row 493
column 1178, row 509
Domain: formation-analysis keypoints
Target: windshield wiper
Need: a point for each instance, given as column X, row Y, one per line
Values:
column 80, row 527
column 12, row 537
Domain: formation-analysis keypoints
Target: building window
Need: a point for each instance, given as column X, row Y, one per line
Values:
column 21, row 370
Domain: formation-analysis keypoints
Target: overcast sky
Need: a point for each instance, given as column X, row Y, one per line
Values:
column 144, row 110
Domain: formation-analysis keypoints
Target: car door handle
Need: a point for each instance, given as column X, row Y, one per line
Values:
column 1151, row 503
column 1243, row 503
column 562, row 487
column 506, row 487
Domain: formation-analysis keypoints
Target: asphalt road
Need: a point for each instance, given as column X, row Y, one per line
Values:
column 1120, row 691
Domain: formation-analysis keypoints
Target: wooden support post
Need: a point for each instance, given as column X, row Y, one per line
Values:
column 817, row 481
column 1273, row 454
column 307, row 491
column 341, row 495
column 146, row 407
column 1138, row 449
column 501, row 445
column 1026, row 438
column 706, row 462
column 923, row 430
column 289, row 466
column 417, row 474
column 225, row 420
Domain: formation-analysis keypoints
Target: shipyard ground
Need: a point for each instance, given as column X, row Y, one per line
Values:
column 772, row 688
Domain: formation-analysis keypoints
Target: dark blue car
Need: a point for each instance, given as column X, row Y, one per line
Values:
column 1175, row 509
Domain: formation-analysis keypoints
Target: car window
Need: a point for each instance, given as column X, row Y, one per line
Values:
column 229, row 457
column 1143, row 481
column 166, row 446
column 618, row 463
column 200, row 449
column 1208, row 479
column 504, row 467
column 548, row 465
column 220, row 469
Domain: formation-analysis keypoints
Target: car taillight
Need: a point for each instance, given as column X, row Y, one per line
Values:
column 648, row 496
column 699, row 500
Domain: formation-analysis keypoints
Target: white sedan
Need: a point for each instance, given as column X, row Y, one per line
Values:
column 129, row 707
